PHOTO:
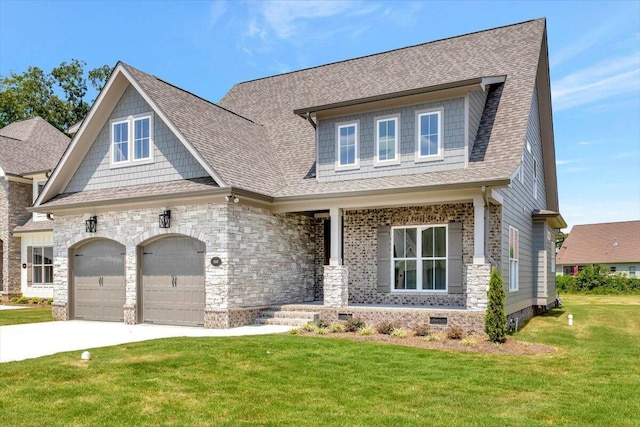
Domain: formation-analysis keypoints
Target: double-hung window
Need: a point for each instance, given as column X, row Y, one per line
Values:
column 42, row 265
column 429, row 135
column 420, row 258
column 514, row 254
column 347, row 145
column 132, row 140
column 387, row 141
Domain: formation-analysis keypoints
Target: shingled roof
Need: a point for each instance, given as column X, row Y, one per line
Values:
column 31, row 145
column 606, row 243
column 513, row 51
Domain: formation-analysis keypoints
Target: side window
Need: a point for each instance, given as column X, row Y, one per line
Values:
column 514, row 254
column 132, row 140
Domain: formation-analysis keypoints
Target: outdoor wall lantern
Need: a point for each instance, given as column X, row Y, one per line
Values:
column 90, row 224
column 165, row 219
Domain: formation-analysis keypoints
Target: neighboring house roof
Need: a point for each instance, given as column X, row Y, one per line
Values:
column 608, row 243
column 255, row 141
column 31, row 145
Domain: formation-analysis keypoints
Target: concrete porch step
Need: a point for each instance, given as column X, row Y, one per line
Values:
column 298, row 323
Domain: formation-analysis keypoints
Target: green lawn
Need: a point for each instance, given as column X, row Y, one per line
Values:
column 593, row 379
column 32, row 314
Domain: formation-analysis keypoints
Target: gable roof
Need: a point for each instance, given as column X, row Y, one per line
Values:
column 31, row 145
column 607, row 243
column 513, row 51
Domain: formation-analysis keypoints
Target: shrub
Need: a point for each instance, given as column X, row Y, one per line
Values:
column 597, row 280
column 495, row 319
column 322, row 323
column 422, row 330
column 455, row 333
column 35, row 300
column 354, row 325
column 336, row 328
column 399, row 332
column 367, row 330
column 14, row 299
column 432, row 337
column 468, row 342
column 386, row 328
column 322, row 331
column 49, row 301
column 294, row 331
column 23, row 300
column 565, row 284
column 309, row 327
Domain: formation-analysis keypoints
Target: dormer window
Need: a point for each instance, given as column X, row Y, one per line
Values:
column 387, row 141
column 132, row 140
column 347, row 145
column 429, row 135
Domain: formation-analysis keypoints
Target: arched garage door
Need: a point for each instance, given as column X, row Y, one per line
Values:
column 173, row 281
column 99, row 281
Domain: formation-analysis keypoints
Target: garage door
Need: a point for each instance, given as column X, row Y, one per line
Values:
column 98, row 281
column 173, row 281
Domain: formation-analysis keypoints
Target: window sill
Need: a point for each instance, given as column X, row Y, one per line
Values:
column 381, row 164
column 427, row 159
column 347, row 168
column 131, row 163
column 419, row 292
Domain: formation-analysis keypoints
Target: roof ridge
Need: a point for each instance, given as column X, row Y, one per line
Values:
column 607, row 223
column 390, row 51
column 191, row 93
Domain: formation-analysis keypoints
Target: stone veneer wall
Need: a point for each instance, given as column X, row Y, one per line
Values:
column 15, row 197
column 271, row 257
column 361, row 247
column 495, row 235
column 318, row 288
column 266, row 258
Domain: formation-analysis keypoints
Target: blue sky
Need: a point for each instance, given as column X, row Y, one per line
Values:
column 207, row 46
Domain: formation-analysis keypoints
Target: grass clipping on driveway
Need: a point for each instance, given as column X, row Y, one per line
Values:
column 592, row 379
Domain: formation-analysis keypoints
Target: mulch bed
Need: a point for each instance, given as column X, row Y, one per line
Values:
column 473, row 343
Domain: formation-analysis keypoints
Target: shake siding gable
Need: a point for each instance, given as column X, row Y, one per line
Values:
column 452, row 132
column 518, row 206
column 477, row 101
column 171, row 160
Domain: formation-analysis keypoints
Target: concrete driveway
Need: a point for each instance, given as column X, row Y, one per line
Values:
column 19, row 342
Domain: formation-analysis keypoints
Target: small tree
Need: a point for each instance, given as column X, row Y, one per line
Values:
column 495, row 320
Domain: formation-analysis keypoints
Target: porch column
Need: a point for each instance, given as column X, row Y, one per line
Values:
column 335, row 257
column 478, row 230
column 336, row 275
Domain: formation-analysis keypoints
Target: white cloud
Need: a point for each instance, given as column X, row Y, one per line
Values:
column 565, row 162
column 588, row 142
column 216, row 10
column 607, row 79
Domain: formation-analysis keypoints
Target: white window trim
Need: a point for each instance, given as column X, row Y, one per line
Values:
column 419, row 260
column 43, row 265
column 376, row 159
column 433, row 157
column 535, row 179
column 130, row 120
column 514, row 284
column 350, row 166
column 38, row 216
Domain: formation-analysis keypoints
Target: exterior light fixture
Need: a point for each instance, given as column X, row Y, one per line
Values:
column 90, row 224
column 164, row 219
column 231, row 197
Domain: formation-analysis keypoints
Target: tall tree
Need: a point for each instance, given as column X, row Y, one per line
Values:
column 35, row 93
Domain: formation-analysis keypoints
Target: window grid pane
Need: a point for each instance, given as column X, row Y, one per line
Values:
column 120, row 142
column 427, row 244
column 429, row 134
column 141, row 139
column 387, row 139
column 347, row 144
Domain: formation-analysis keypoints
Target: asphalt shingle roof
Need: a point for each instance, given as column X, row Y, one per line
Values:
column 513, row 51
column 31, row 145
column 606, row 243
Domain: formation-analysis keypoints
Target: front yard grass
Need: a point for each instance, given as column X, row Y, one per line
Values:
column 34, row 314
column 592, row 380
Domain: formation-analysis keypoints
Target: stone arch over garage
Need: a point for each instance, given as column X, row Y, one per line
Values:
column 171, row 279
column 97, row 283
